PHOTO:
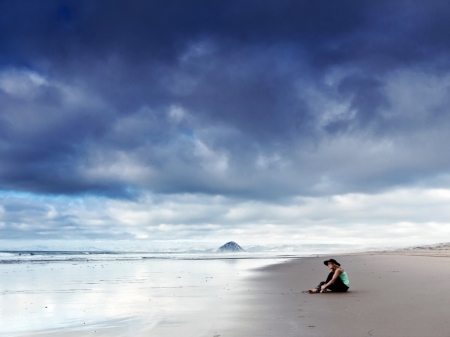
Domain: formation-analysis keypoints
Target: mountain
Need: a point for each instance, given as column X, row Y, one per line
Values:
column 230, row 247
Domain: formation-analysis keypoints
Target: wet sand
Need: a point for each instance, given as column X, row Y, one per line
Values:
column 394, row 293
column 113, row 296
column 402, row 293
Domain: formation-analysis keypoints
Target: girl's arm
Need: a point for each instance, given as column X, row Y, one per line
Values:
column 333, row 279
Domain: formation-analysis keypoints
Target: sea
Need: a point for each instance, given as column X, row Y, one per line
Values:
column 82, row 293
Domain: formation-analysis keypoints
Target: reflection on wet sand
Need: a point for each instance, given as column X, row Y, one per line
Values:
column 118, row 298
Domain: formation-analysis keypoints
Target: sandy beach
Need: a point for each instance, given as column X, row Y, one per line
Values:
column 116, row 295
column 399, row 293
column 392, row 293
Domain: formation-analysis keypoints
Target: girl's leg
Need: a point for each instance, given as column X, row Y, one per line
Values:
column 329, row 277
column 338, row 286
column 316, row 289
column 320, row 285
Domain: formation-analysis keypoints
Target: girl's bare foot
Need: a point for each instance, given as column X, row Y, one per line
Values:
column 313, row 291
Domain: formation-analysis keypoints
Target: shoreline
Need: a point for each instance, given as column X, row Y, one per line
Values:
column 145, row 297
column 392, row 293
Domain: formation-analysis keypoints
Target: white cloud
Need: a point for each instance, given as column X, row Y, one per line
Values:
column 400, row 217
column 176, row 113
column 215, row 162
column 23, row 84
column 415, row 95
column 115, row 166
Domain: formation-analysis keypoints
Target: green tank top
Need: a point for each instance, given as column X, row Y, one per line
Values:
column 344, row 279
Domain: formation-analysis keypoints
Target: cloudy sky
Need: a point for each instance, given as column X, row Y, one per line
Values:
column 139, row 123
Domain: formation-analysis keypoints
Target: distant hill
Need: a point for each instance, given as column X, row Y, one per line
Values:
column 230, row 247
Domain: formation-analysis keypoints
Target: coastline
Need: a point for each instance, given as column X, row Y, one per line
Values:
column 392, row 293
column 72, row 295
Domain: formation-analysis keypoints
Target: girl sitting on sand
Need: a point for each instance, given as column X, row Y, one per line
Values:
column 337, row 279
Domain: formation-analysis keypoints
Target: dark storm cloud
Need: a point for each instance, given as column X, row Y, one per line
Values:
column 257, row 98
column 141, row 29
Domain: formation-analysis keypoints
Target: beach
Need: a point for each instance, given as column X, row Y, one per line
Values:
column 121, row 294
column 392, row 293
column 398, row 293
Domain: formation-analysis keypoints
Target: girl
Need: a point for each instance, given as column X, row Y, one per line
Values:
column 337, row 279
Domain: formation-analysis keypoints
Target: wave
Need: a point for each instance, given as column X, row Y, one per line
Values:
column 43, row 257
column 5, row 255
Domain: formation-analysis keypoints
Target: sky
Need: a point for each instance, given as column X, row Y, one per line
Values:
column 145, row 124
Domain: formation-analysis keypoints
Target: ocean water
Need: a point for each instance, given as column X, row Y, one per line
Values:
column 123, row 294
